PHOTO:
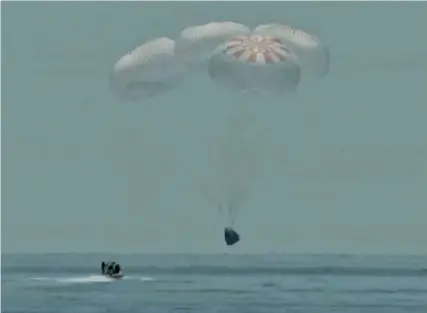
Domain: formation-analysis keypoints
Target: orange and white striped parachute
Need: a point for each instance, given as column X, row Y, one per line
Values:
column 195, row 44
column 255, row 62
column 312, row 54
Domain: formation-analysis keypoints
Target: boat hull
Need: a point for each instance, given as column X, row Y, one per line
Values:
column 115, row 276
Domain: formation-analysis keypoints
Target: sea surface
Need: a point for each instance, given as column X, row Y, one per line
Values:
column 215, row 283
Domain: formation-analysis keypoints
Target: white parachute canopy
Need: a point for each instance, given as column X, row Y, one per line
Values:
column 196, row 43
column 260, row 63
column 147, row 71
column 312, row 54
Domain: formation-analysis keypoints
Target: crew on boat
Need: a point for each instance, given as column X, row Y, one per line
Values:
column 110, row 268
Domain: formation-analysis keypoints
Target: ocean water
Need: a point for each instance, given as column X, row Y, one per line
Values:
column 57, row 283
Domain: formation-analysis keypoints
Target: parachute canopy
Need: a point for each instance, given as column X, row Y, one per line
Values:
column 231, row 237
column 311, row 52
column 148, row 70
column 255, row 62
column 195, row 44
column 270, row 58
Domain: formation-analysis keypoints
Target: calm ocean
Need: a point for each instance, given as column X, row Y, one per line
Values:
column 215, row 283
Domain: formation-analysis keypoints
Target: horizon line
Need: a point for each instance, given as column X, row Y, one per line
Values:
column 312, row 254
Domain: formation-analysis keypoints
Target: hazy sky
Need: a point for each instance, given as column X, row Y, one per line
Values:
column 343, row 166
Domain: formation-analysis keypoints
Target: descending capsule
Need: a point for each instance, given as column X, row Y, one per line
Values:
column 231, row 237
column 195, row 44
column 255, row 62
column 149, row 70
column 311, row 52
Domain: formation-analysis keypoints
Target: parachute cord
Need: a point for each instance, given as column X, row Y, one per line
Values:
column 235, row 195
column 232, row 216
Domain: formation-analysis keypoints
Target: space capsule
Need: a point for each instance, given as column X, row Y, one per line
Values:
column 231, row 237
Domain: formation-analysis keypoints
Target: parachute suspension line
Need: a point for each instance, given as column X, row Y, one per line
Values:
column 235, row 156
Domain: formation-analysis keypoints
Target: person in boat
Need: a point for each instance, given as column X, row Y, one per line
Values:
column 107, row 268
column 110, row 268
column 231, row 237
